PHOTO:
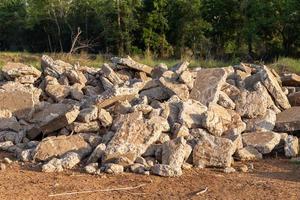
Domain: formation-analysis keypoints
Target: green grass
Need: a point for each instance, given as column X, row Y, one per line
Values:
column 287, row 65
column 96, row 60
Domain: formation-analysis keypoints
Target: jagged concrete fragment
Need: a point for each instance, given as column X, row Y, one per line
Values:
column 165, row 170
column 51, row 118
column 264, row 142
column 191, row 113
column 288, row 120
column 213, row 151
column 290, row 80
column 294, row 99
column 88, row 114
column 133, row 136
column 225, row 101
column 262, row 123
column 54, row 68
column 97, row 153
column 181, row 90
column 175, row 152
column 269, row 80
column 251, row 104
column 109, row 73
column 20, row 102
column 207, row 85
column 110, row 97
column 19, row 72
column 291, row 146
column 248, row 153
column 88, row 127
column 57, row 146
column 180, row 67
column 128, row 62
column 105, row 118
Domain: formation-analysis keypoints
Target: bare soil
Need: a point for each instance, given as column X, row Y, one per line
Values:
column 272, row 178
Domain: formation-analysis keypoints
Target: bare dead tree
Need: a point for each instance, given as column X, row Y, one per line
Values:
column 78, row 44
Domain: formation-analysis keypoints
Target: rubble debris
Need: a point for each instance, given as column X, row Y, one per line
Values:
column 127, row 116
column 207, row 85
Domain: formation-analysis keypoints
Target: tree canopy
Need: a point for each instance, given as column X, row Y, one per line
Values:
column 220, row 29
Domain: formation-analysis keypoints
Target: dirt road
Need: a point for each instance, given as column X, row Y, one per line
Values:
column 271, row 179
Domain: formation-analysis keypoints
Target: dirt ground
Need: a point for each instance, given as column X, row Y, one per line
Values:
column 270, row 179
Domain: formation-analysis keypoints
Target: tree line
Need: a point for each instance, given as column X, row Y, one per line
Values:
column 218, row 29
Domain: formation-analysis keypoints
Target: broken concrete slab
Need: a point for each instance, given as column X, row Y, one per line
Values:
column 269, row 80
column 213, row 151
column 290, row 80
column 181, row 90
column 294, row 99
column 248, row 153
column 20, row 103
column 207, row 85
column 262, row 123
column 13, row 71
column 288, row 120
column 129, row 62
column 291, row 146
column 57, row 146
column 264, row 142
column 191, row 113
column 133, row 136
column 175, row 152
column 54, row 68
column 52, row 117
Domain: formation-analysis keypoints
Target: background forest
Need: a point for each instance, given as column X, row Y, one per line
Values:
column 200, row 29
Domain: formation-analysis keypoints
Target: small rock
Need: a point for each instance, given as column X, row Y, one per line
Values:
column 92, row 168
column 229, row 170
column 97, row 153
column 112, row 168
column 291, row 146
column 88, row 114
column 53, row 165
column 7, row 160
column 165, row 170
column 243, row 168
column 248, row 153
column 2, row 167
column 105, row 118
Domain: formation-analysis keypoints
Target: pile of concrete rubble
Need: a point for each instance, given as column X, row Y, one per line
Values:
column 126, row 116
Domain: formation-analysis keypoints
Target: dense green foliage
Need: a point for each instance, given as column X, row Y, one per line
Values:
column 206, row 29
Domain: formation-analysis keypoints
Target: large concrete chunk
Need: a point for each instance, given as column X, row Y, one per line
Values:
column 288, row 120
column 128, row 62
column 133, row 136
column 290, row 80
column 207, row 85
column 20, row 103
column 175, row 152
column 110, row 97
column 252, row 104
column 264, row 142
column 294, row 99
column 213, row 151
column 57, row 146
column 13, row 71
column 270, row 82
column 191, row 113
column 262, row 123
column 51, row 118
column 248, row 153
column 217, row 120
column 54, row 68
column 181, row 90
